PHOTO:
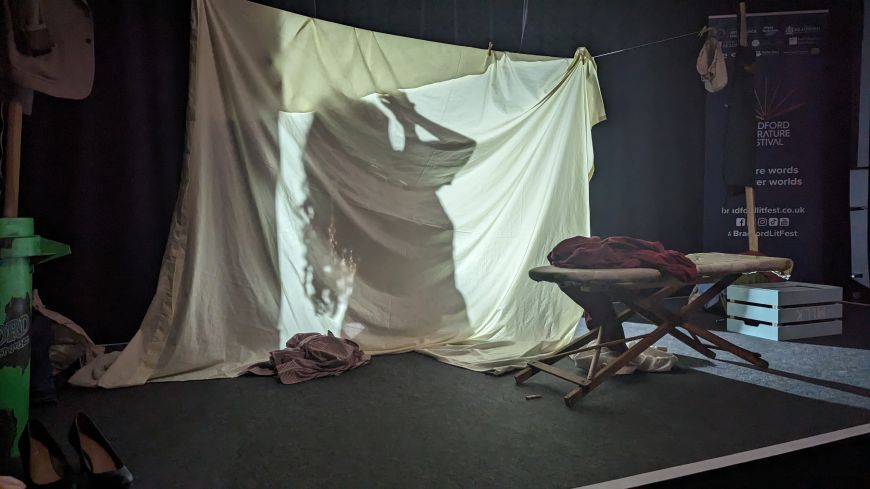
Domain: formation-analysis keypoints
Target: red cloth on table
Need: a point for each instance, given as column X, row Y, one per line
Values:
column 621, row 252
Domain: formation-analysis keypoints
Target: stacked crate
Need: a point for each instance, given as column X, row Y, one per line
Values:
column 785, row 310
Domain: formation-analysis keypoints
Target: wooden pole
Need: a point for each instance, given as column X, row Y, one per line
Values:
column 12, row 159
column 750, row 192
column 750, row 218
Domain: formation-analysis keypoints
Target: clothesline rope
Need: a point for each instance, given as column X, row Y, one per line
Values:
column 525, row 19
column 695, row 33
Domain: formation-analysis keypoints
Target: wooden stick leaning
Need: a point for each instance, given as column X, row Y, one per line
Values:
column 750, row 192
column 12, row 159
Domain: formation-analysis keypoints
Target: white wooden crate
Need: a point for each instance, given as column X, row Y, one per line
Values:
column 784, row 310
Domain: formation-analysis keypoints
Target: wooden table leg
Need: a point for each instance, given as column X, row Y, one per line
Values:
column 657, row 315
column 528, row 372
column 749, row 356
column 574, row 396
column 629, row 355
column 680, row 320
column 595, row 355
column 696, row 345
column 704, row 298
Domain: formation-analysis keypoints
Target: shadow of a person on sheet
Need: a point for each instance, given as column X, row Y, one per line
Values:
column 373, row 169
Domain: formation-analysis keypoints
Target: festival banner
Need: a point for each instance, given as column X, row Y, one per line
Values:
column 790, row 160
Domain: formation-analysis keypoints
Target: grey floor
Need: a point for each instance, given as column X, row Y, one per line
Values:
column 409, row 421
column 833, row 369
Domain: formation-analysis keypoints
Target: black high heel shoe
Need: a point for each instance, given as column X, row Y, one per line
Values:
column 100, row 465
column 45, row 465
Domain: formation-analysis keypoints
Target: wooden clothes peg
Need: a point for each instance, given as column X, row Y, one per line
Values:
column 489, row 49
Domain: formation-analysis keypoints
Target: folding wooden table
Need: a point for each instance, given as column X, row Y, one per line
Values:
column 642, row 291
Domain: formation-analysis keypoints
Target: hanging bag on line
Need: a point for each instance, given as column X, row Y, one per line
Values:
column 711, row 66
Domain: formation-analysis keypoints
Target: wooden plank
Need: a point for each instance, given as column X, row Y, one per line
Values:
column 750, row 192
column 528, row 372
column 750, row 219
column 624, row 315
column 594, row 365
column 12, row 159
column 525, row 374
column 564, row 354
column 749, row 356
column 704, row 298
column 652, row 284
column 573, row 396
column 558, row 372
column 697, row 345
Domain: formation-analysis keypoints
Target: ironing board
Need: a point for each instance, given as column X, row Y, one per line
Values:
column 642, row 291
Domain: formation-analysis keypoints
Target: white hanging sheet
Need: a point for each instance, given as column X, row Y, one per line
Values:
column 391, row 190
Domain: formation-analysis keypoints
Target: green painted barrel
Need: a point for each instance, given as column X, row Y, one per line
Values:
column 20, row 249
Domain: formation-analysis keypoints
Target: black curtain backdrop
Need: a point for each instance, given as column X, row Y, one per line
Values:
column 102, row 174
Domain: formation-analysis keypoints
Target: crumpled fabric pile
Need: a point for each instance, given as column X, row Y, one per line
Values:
column 310, row 356
column 621, row 252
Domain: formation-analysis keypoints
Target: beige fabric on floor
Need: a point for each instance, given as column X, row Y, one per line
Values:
column 390, row 190
column 70, row 343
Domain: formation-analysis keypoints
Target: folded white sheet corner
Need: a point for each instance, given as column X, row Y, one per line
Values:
column 390, row 190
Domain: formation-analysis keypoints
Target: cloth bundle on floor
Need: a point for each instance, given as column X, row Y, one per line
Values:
column 310, row 356
column 621, row 252
column 335, row 182
column 650, row 360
